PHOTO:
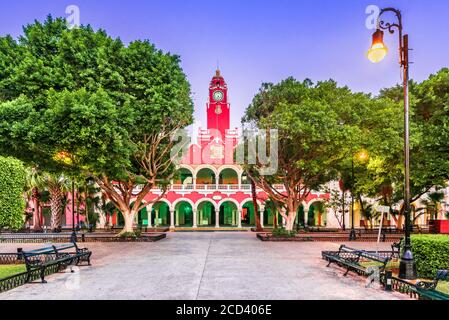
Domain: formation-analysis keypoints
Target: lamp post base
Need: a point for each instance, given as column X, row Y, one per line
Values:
column 352, row 235
column 407, row 267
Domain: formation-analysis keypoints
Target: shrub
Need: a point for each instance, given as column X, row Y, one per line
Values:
column 131, row 235
column 283, row 233
column 431, row 253
column 12, row 185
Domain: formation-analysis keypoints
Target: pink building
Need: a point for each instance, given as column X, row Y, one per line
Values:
column 213, row 191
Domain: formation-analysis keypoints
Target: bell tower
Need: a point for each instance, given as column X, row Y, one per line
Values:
column 218, row 107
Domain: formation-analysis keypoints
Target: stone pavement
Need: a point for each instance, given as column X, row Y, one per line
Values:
column 228, row 266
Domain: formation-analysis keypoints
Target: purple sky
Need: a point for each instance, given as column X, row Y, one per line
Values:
column 260, row 40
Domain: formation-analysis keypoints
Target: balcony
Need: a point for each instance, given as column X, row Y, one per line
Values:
column 209, row 187
column 219, row 187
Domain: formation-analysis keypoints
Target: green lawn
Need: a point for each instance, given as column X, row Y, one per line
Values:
column 443, row 286
column 390, row 265
column 10, row 270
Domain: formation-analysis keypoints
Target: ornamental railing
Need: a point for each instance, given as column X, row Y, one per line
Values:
column 218, row 187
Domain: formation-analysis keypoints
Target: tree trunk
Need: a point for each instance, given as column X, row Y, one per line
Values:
column 343, row 221
column 36, row 213
column 290, row 221
column 256, row 211
column 129, row 216
column 56, row 206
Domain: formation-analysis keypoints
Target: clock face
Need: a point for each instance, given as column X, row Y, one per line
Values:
column 218, row 95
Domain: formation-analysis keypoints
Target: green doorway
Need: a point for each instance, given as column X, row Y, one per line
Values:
column 206, row 214
column 229, row 214
column 160, row 215
column 248, row 216
column 184, row 214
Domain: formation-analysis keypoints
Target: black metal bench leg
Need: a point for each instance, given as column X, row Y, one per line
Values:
column 347, row 272
column 329, row 264
column 43, row 275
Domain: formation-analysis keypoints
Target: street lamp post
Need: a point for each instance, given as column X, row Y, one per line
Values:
column 376, row 54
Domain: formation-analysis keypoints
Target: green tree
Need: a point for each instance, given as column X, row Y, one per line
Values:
column 312, row 137
column 383, row 176
column 12, row 186
column 79, row 102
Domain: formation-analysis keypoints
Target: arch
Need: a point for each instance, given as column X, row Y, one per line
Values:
column 206, row 175
column 168, row 203
column 176, row 202
column 142, row 215
column 206, row 166
column 237, row 204
column 301, row 215
column 229, row 176
column 271, row 216
column 313, row 201
column 160, row 213
column 199, row 202
column 229, row 212
column 205, row 210
column 237, row 169
column 248, row 214
column 184, row 176
column 183, row 213
column 244, row 202
column 317, row 216
column 187, row 167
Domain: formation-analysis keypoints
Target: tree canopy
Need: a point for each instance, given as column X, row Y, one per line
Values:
column 320, row 127
column 12, row 186
column 78, row 101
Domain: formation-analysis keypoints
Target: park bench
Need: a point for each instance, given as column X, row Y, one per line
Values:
column 80, row 254
column 52, row 257
column 428, row 290
column 352, row 260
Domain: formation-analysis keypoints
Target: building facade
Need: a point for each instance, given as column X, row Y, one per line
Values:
column 212, row 191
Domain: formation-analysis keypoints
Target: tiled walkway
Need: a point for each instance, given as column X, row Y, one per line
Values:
column 203, row 266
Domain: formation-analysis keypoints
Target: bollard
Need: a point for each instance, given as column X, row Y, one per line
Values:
column 388, row 281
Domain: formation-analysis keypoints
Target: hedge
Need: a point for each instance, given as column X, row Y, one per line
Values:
column 12, row 184
column 431, row 253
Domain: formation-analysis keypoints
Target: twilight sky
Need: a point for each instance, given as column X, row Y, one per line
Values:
column 259, row 41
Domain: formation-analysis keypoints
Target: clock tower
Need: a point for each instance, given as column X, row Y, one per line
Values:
column 218, row 108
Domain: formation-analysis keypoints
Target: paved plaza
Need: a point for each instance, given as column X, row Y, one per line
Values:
column 203, row 266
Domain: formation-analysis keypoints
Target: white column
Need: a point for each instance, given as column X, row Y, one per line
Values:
column 217, row 218
column 306, row 216
column 217, row 179
column 195, row 218
column 150, row 213
column 262, row 214
column 172, row 219
column 239, row 219
column 156, row 222
column 177, row 218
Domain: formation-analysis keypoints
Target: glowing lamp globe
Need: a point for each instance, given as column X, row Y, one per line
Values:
column 378, row 50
